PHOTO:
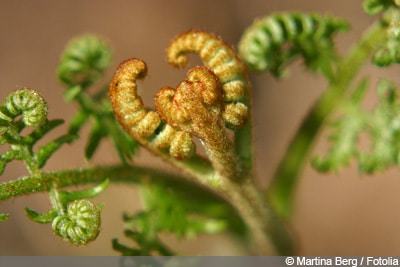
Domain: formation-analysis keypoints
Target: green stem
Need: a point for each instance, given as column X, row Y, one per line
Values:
column 25, row 149
column 244, row 146
column 120, row 173
column 55, row 201
column 287, row 174
column 268, row 234
column 126, row 174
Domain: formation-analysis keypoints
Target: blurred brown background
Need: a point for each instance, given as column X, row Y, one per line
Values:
column 346, row 214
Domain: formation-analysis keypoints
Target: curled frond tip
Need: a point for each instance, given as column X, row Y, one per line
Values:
column 25, row 102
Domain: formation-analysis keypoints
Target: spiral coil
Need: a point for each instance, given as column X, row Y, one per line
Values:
column 273, row 41
column 224, row 63
column 25, row 102
column 144, row 125
column 80, row 225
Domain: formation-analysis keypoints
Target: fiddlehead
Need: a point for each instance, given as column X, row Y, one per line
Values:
column 33, row 110
column 372, row 7
column 144, row 125
column 176, row 107
column 73, row 217
column 81, row 223
column 270, row 43
column 195, row 107
column 27, row 103
column 224, row 63
column 84, row 60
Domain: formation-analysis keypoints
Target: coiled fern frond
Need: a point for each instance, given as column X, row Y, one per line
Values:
column 80, row 225
column 24, row 108
column 84, row 60
column 270, row 43
column 372, row 7
column 26, row 102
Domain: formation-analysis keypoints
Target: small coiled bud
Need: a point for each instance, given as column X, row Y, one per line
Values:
column 80, row 225
column 84, row 60
column 373, row 7
column 26, row 102
column 383, row 57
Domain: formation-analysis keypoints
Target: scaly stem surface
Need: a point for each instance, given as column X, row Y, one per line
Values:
column 285, row 179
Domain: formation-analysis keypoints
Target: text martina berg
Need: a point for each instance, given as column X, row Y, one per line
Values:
column 347, row 261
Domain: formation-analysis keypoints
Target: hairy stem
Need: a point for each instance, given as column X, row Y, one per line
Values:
column 268, row 234
column 26, row 151
column 287, row 174
column 221, row 153
column 120, row 173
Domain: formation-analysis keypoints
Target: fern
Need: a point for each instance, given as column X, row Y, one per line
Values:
column 216, row 191
column 167, row 211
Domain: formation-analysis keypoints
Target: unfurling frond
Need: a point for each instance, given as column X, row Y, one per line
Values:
column 272, row 42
